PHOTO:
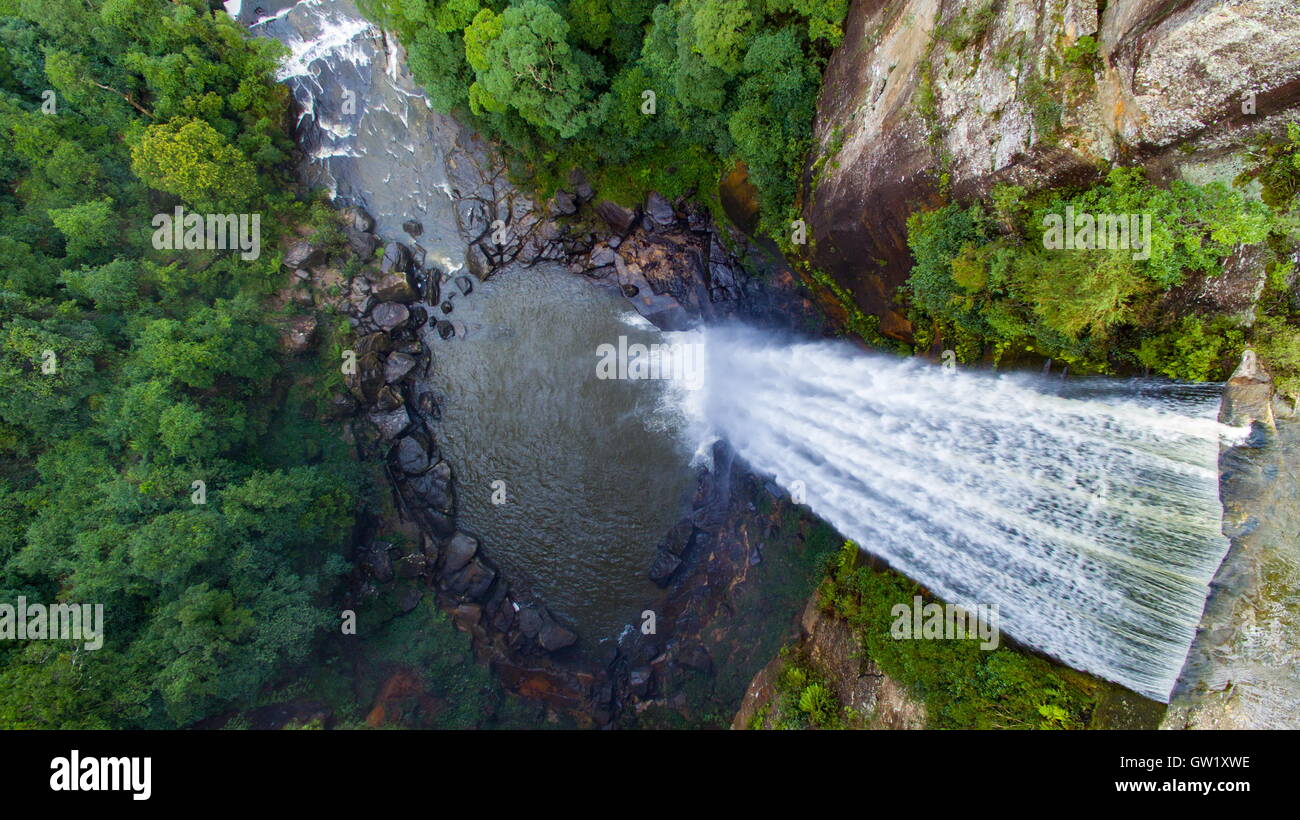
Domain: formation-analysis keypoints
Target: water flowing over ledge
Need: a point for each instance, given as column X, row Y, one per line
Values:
column 1091, row 518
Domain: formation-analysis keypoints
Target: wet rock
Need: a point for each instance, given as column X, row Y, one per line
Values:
column 477, row 261
column 418, row 317
column 411, row 456
column 428, row 404
column 530, row 621
column 388, row 399
column 390, row 315
column 397, row 258
column 465, row 284
column 659, row 209
column 361, row 243
column 445, row 329
column 554, row 637
column 446, row 306
column 472, row 219
column 378, row 343
column 412, row 227
column 679, row 537
column 396, row 287
column 472, row 581
column 392, row 423
column 397, row 366
column 616, row 216
column 302, row 254
column 358, row 219
column 433, row 490
column 665, row 564
column 460, row 549
column 1247, row 398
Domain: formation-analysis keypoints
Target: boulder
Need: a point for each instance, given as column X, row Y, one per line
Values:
column 432, row 490
column 465, row 284
column 361, row 243
column 659, row 209
column 461, row 548
column 397, row 366
column 388, row 399
column 411, row 456
column 390, row 315
column 358, row 219
column 665, row 564
column 554, row 637
column 603, row 255
column 413, row 227
column 616, row 216
column 302, row 254
column 397, row 258
column 477, row 262
column 472, row 581
column 396, row 287
column 368, row 379
column 564, row 203
column 378, row 343
column 392, row 423
column 1247, row 398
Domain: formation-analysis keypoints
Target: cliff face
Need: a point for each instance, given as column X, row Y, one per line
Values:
column 963, row 94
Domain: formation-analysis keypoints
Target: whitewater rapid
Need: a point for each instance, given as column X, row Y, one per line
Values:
column 1090, row 518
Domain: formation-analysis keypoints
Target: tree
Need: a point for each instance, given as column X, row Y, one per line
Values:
column 189, row 158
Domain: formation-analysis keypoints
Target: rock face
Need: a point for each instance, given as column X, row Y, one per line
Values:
column 831, row 647
column 1243, row 668
column 1248, row 397
column 922, row 85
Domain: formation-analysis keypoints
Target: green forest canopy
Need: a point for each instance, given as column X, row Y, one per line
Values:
column 164, row 370
column 564, row 85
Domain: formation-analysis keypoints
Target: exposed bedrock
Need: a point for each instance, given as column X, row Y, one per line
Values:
column 928, row 92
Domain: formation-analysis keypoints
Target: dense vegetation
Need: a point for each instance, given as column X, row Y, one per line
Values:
column 1275, row 165
column 984, row 278
column 638, row 94
column 985, row 282
column 963, row 686
column 128, row 373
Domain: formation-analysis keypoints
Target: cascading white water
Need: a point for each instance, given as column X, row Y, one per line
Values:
column 1091, row 520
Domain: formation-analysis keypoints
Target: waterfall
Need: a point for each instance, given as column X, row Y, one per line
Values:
column 1087, row 512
